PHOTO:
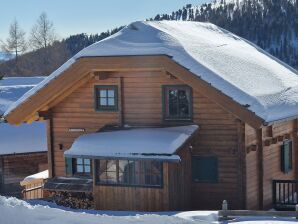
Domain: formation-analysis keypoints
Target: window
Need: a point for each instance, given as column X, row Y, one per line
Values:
column 286, row 156
column 177, row 102
column 82, row 166
column 129, row 173
column 79, row 166
column 205, row 169
column 106, row 98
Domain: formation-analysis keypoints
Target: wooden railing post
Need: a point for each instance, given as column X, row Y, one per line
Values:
column 224, row 209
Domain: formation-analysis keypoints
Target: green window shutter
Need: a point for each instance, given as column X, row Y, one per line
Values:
column 205, row 169
column 286, row 156
column 68, row 166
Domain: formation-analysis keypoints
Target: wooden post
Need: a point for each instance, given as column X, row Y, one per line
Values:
column 225, row 209
column 260, row 167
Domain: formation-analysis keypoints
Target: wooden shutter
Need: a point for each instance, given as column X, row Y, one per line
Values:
column 286, row 156
column 205, row 169
column 68, row 166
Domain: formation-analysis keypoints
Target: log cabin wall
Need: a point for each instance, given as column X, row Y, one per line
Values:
column 252, row 168
column 17, row 167
column 272, row 157
column 142, row 105
column 180, row 194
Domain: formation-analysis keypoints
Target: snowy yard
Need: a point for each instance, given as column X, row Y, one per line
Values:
column 14, row 211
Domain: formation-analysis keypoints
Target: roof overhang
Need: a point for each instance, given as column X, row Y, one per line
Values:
column 83, row 70
column 133, row 144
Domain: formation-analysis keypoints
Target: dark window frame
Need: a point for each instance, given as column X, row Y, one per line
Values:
column 84, row 173
column 98, row 183
column 214, row 180
column 100, row 108
column 165, row 103
column 289, row 168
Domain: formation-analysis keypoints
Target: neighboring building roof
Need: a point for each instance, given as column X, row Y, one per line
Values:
column 75, row 184
column 138, row 143
column 231, row 64
column 26, row 138
column 43, row 175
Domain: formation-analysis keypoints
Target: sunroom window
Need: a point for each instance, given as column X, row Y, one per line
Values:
column 129, row 173
column 177, row 102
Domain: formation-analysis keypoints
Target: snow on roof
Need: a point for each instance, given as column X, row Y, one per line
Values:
column 41, row 175
column 231, row 64
column 26, row 138
column 11, row 89
column 140, row 143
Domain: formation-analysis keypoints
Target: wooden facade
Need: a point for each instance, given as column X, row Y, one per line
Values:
column 247, row 149
column 14, row 168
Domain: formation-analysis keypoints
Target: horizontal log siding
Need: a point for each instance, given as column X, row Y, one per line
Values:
column 272, row 160
column 17, row 167
column 142, row 104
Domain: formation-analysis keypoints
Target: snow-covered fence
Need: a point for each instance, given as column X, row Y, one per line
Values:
column 226, row 214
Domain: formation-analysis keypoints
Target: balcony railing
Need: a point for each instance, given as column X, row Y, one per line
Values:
column 285, row 194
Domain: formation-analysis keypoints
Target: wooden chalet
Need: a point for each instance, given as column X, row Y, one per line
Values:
column 169, row 116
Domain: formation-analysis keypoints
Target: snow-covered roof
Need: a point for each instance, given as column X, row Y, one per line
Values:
column 231, row 64
column 37, row 176
column 25, row 138
column 138, row 143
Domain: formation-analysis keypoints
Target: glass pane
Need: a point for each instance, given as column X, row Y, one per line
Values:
column 101, row 166
column 103, row 177
column 111, row 177
column 87, row 161
column 79, row 161
column 103, row 93
column 111, row 102
column 123, row 166
column 155, row 180
column 111, row 93
column 80, row 169
column 123, row 178
column 183, row 103
column 156, row 167
column 87, row 169
column 111, row 165
column 173, row 103
column 103, row 102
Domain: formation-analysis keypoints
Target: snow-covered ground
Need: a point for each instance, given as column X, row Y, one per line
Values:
column 14, row 211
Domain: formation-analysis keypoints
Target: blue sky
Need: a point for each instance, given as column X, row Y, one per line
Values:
column 84, row 16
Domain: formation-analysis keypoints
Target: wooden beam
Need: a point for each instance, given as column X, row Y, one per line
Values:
column 260, row 168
